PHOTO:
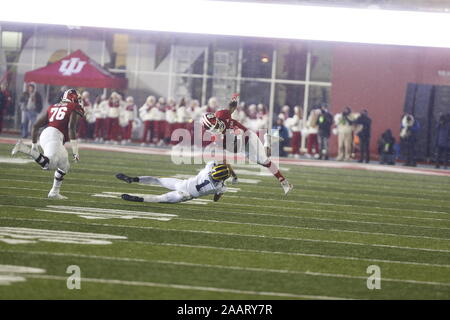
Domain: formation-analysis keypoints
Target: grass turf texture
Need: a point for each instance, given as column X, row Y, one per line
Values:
column 255, row 244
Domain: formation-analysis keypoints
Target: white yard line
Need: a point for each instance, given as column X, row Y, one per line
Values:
column 311, row 163
column 258, row 224
column 214, row 266
column 261, row 214
column 285, row 200
column 224, row 203
column 189, row 287
column 313, row 255
column 255, row 236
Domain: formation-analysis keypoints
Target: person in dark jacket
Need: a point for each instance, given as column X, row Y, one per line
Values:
column 443, row 140
column 364, row 131
column 386, row 148
column 408, row 136
column 31, row 106
column 325, row 122
column 283, row 133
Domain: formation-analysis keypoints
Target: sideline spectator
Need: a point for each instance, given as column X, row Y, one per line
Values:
column 182, row 115
column 130, row 114
column 312, row 142
column 386, row 148
column 363, row 131
column 100, row 113
column 3, row 106
column 408, row 137
column 295, row 124
column 112, row 121
column 160, row 122
column 31, row 106
column 170, row 120
column 344, row 132
column 262, row 122
column 87, row 123
column 212, row 105
column 147, row 115
column 282, row 132
column 325, row 122
column 443, row 140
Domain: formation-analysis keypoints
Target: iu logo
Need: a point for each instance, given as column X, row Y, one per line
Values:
column 69, row 67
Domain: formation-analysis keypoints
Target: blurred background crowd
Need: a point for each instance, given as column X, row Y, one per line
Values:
column 116, row 119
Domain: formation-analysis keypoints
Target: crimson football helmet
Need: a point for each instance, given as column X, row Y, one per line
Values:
column 71, row 95
column 212, row 123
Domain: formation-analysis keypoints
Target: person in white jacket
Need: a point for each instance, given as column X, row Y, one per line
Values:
column 112, row 121
column 295, row 125
column 130, row 115
column 160, row 123
column 239, row 114
column 100, row 113
column 170, row 120
column 183, row 116
column 313, row 130
column 147, row 115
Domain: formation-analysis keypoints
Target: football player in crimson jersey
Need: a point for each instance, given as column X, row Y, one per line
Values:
column 221, row 122
column 61, row 120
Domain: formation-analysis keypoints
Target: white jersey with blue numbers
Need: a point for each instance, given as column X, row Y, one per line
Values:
column 202, row 184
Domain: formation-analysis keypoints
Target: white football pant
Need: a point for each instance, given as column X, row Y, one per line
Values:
column 179, row 193
column 51, row 141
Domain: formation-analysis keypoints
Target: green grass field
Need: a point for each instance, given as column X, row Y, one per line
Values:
column 253, row 244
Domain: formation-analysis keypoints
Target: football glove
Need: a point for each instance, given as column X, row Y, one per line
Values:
column 234, row 180
column 234, row 99
column 34, row 147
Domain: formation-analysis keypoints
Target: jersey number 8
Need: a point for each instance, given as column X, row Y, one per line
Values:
column 57, row 113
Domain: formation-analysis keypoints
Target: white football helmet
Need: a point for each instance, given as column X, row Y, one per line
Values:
column 213, row 124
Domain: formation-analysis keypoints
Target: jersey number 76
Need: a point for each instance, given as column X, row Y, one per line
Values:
column 57, row 113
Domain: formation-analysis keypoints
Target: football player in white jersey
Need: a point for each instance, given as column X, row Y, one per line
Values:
column 210, row 180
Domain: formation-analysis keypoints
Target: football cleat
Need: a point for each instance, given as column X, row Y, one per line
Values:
column 20, row 147
column 132, row 198
column 126, row 178
column 56, row 195
column 286, row 186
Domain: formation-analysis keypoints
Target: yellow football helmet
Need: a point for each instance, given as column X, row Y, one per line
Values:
column 221, row 172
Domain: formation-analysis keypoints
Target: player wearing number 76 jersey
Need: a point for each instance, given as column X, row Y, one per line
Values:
column 61, row 120
column 210, row 180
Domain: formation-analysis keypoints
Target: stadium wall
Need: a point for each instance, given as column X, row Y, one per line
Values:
column 375, row 77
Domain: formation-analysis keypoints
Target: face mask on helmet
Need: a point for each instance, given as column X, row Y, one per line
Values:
column 212, row 123
column 71, row 95
column 220, row 172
